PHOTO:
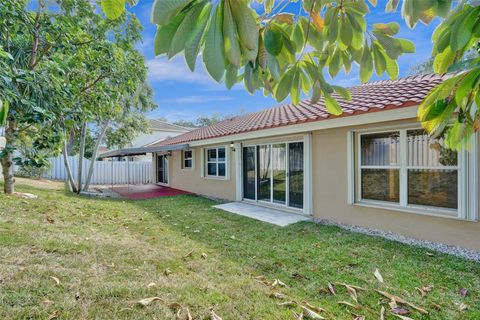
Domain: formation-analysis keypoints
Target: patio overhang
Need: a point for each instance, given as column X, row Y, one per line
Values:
column 142, row 151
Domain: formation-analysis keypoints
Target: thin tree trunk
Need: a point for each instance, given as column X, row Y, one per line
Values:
column 71, row 182
column 7, row 159
column 94, row 157
column 81, row 155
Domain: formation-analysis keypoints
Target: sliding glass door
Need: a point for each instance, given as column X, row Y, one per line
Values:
column 273, row 173
column 249, row 173
column 162, row 169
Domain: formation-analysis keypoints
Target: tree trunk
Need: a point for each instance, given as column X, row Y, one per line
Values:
column 81, row 153
column 71, row 182
column 94, row 157
column 7, row 158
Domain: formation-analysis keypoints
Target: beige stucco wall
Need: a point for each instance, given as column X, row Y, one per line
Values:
column 330, row 188
column 192, row 180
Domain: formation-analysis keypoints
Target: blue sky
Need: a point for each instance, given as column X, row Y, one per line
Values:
column 184, row 95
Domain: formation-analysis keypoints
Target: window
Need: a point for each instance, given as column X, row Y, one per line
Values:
column 187, row 161
column 216, row 162
column 409, row 169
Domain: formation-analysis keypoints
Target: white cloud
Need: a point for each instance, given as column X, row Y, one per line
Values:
column 176, row 70
column 196, row 99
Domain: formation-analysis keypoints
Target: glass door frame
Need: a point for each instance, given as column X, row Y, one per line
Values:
column 165, row 169
column 287, row 178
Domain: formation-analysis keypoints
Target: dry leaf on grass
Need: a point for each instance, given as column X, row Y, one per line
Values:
column 463, row 307
column 148, row 301
column 435, row 306
column 315, row 308
column 424, row 290
column 57, row 281
column 401, row 301
column 277, row 295
column 402, row 317
column 378, row 275
column 310, row 314
column 54, row 315
column 167, row 272
column 204, row 255
column 279, row 283
column 352, row 292
column 382, row 313
column 214, row 316
column 188, row 255
column 298, row 316
column 50, row 220
column 151, row 284
column 47, row 302
column 262, row 279
column 359, row 317
column 332, row 289
column 347, row 304
column 188, row 315
column 400, row 311
column 463, row 292
column 287, row 304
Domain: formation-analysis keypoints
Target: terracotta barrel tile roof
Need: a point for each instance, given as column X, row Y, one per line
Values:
column 370, row 97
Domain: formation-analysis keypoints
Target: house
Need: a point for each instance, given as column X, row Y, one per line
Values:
column 159, row 130
column 373, row 166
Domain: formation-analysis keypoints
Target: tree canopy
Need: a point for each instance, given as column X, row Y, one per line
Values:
column 286, row 53
column 64, row 67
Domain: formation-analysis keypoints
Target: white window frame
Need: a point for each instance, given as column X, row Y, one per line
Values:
column 192, row 158
column 217, row 162
column 467, row 180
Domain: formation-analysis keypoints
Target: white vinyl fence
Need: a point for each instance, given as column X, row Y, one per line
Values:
column 104, row 172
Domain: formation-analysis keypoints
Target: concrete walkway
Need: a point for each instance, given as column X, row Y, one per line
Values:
column 277, row 217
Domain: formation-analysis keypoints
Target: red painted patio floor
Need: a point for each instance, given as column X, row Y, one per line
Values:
column 147, row 191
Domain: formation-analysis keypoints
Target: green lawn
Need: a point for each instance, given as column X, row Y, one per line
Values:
column 105, row 253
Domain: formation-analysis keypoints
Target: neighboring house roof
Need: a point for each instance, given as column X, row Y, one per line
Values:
column 159, row 131
column 370, row 97
column 159, row 125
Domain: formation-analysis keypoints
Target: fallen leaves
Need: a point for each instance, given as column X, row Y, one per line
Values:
column 148, row 301
column 278, row 295
column 54, row 315
column 213, row 315
column 424, row 290
column 397, row 299
column 277, row 282
column 167, row 272
column 151, row 285
column 332, row 289
column 462, row 307
column 310, row 314
column 57, row 281
column 378, row 275
column 352, row 292
column 463, row 292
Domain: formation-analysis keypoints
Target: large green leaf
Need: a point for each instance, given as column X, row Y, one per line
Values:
column 113, row 9
column 332, row 105
column 285, row 84
column 246, row 23
column 213, row 54
column 193, row 44
column 3, row 112
column 185, row 29
column 165, row 34
column 163, row 11
column 273, row 41
column 232, row 47
column 231, row 76
column 366, row 65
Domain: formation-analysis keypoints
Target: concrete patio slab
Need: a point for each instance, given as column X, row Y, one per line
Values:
column 273, row 216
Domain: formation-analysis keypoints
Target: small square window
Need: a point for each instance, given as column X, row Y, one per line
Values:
column 187, row 159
